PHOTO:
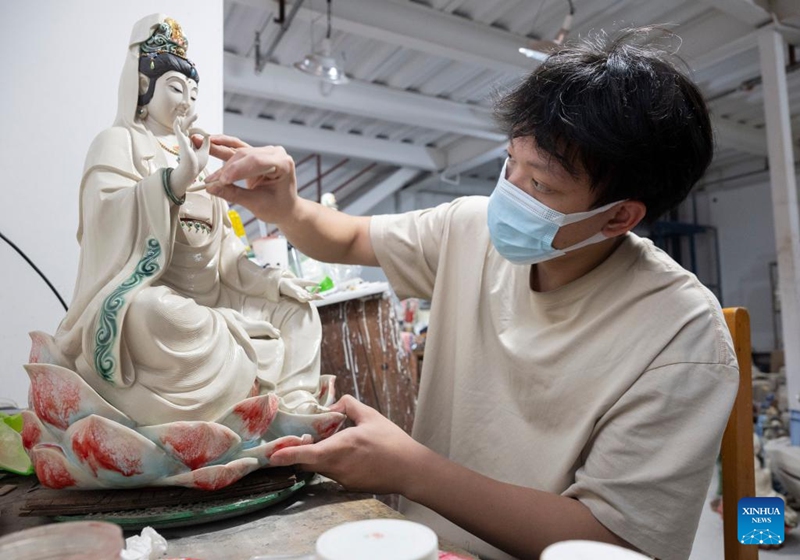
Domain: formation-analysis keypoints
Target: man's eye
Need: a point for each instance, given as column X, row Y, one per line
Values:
column 540, row 187
column 176, row 89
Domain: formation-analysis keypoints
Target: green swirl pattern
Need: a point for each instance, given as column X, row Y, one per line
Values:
column 107, row 326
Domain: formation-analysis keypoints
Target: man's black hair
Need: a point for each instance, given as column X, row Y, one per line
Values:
column 157, row 65
column 620, row 112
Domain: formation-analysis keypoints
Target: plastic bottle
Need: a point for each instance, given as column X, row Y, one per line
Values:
column 238, row 229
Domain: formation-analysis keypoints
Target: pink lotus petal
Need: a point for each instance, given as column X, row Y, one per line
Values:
column 116, row 453
column 56, row 398
column 195, row 444
column 41, row 348
column 319, row 426
column 60, row 397
column 327, row 426
column 33, row 431
column 54, row 470
column 252, row 417
column 213, row 477
column 326, row 395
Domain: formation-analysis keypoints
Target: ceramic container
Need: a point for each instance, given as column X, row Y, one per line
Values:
column 78, row 540
column 387, row 539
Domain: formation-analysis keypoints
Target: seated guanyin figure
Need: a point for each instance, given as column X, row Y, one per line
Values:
column 180, row 361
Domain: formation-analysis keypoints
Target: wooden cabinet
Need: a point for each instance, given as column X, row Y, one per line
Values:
column 361, row 346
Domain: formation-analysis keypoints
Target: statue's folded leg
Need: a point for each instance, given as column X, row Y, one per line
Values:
column 301, row 334
column 190, row 362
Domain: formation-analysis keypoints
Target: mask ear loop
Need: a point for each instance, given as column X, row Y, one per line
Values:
column 597, row 237
column 579, row 216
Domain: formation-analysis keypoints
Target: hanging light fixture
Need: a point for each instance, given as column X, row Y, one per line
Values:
column 540, row 50
column 322, row 63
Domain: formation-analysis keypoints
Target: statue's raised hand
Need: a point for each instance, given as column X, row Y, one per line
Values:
column 192, row 161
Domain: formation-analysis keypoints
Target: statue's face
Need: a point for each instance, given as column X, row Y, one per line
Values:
column 174, row 96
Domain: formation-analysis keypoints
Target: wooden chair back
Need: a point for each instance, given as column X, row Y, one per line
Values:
column 738, row 476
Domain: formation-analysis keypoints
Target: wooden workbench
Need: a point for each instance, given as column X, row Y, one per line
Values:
column 290, row 527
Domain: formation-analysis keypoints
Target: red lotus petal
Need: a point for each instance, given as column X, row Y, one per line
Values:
column 55, row 398
column 326, row 427
column 31, row 430
column 197, row 443
column 100, row 443
column 51, row 467
column 220, row 476
column 252, row 417
column 40, row 352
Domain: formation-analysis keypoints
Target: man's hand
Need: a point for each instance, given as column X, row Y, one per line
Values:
column 268, row 172
column 377, row 456
column 374, row 456
column 270, row 193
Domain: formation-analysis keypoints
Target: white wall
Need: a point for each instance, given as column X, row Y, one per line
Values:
column 59, row 89
column 743, row 217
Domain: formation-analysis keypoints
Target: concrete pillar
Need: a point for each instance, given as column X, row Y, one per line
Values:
column 785, row 208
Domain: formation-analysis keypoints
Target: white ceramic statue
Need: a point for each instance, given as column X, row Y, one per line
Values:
column 180, row 361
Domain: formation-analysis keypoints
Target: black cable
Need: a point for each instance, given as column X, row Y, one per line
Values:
column 328, row 34
column 36, row 268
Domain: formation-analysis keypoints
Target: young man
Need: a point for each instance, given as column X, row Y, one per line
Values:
column 576, row 381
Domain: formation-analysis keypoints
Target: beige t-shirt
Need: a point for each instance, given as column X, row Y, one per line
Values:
column 614, row 389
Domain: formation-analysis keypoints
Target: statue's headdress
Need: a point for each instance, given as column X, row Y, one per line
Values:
column 167, row 37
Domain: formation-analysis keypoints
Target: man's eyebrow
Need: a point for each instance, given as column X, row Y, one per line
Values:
column 538, row 165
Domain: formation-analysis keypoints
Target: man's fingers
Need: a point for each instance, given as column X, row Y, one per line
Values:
column 221, row 152
column 224, row 147
column 226, row 141
column 230, row 161
column 198, row 139
column 245, row 167
column 352, row 408
column 302, row 454
column 235, row 195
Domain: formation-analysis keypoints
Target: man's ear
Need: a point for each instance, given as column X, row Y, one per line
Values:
column 144, row 83
column 626, row 217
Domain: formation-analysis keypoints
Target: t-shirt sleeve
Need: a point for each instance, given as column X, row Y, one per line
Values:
column 408, row 247
column 649, row 462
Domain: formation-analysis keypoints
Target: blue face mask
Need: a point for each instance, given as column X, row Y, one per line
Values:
column 522, row 229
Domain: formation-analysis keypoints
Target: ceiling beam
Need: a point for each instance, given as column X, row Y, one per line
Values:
column 421, row 28
column 407, row 198
column 470, row 153
column 745, row 11
column 358, row 98
column 742, row 137
column 297, row 137
column 703, row 64
column 377, row 193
